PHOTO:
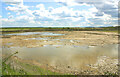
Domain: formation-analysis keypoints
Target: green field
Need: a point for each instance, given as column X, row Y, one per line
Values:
column 30, row 29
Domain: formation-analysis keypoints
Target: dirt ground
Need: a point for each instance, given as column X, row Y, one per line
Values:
column 91, row 38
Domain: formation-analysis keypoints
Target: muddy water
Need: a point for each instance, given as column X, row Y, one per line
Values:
column 64, row 55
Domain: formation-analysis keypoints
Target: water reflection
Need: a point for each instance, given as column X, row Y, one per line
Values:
column 31, row 33
column 64, row 55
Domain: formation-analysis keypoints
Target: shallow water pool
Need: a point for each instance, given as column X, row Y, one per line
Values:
column 31, row 33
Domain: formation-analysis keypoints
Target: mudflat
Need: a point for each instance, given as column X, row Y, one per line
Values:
column 72, row 52
column 91, row 38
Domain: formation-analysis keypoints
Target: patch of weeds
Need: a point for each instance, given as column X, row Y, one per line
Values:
column 7, row 68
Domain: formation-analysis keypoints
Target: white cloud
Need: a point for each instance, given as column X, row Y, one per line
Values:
column 15, row 9
column 18, row 7
column 65, row 13
column 99, row 14
column 53, row 14
column 67, row 2
column 7, row 20
column 93, row 9
column 24, row 18
column 18, row 21
column 102, row 13
column 41, row 6
column 11, row 16
column 107, row 6
column 13, row 2
column 9, row 13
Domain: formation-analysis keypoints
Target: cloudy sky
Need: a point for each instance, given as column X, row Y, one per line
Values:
column 59, row 13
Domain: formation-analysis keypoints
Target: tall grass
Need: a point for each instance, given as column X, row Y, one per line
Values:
column 7, row 69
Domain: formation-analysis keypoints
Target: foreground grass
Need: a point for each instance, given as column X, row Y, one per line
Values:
column 23, row 68
column 26, row 69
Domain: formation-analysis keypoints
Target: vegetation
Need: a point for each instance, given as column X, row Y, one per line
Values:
column 23, row 68
column 8, row 70
column 29, row 29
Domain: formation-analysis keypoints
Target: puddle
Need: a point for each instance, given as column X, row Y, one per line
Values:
column 9, row 43
column 41, row 33
column 50, row 39
column 36, row 39
column 53, row 34
column 53, row 46
column 64, row 55
column 25, row 33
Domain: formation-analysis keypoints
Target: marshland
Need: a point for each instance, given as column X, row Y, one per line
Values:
column 59, row 51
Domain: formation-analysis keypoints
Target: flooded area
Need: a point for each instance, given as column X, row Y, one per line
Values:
column 65, row 51
column 32, row 33
column 64, row 54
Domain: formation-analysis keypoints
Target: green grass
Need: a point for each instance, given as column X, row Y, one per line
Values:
column 8, row 70
column 25, row 68
column 114, row 31
column 30, row 29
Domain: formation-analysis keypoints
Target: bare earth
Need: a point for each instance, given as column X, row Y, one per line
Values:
column 91, row 38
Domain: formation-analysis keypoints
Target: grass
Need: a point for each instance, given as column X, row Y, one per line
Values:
column 8, row 70
column 24, row 68
column 30, row 29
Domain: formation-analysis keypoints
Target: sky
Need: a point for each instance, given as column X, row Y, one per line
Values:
column 59, row 13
